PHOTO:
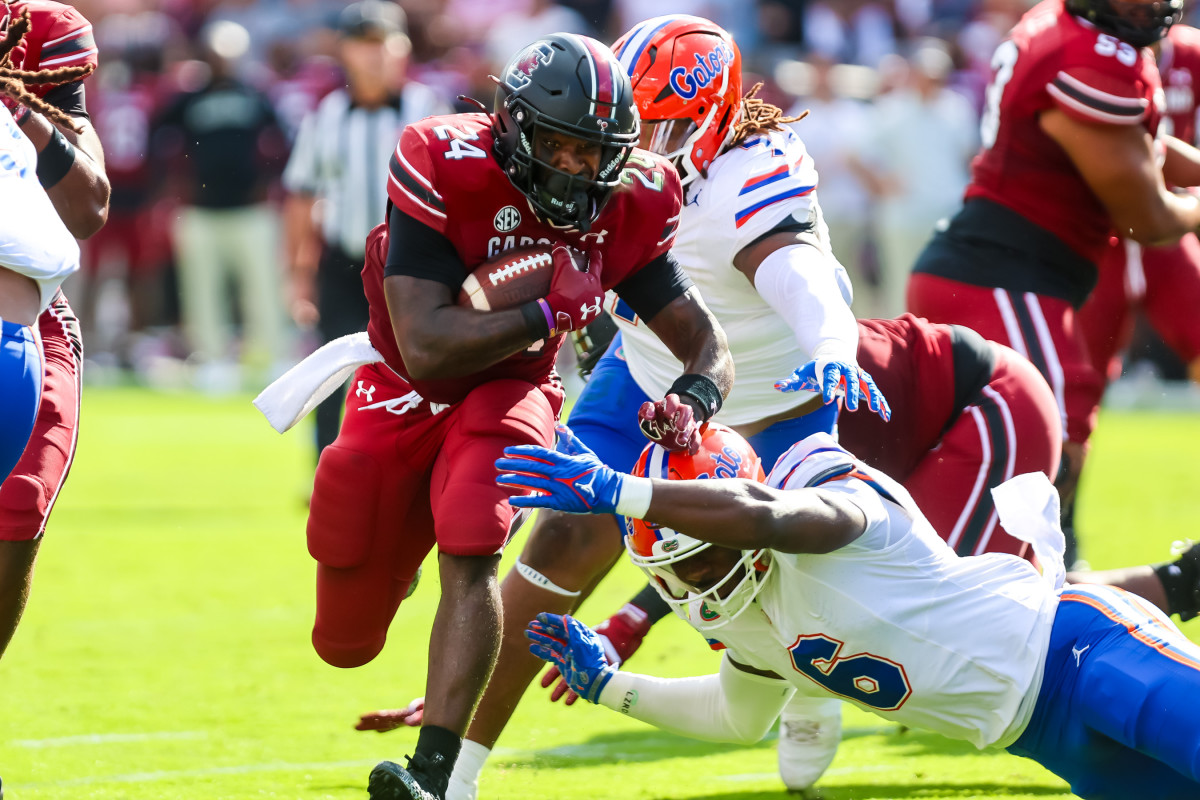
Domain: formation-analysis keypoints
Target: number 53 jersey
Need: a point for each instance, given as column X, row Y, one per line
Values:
column 895, row 621
column 1054, row 60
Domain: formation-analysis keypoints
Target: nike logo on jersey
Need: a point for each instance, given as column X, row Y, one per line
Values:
column 1078, row 652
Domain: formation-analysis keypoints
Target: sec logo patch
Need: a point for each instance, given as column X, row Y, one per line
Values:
column 507, row 219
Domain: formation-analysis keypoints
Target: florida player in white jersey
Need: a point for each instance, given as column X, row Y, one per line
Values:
column 827, row 580
column 752, row 239
column 37, row 253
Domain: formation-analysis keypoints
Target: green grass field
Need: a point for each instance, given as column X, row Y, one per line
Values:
column 165, row 652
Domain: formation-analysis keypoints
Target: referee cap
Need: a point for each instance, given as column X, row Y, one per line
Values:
column 372, row 19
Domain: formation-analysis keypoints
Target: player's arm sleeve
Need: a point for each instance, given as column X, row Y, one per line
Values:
column 412, row 180
column 417, row 250
column 807, row 288
column 655, row 286
column 1100, row 90
column 731, row 706
column 70, row 98
column 69, row 41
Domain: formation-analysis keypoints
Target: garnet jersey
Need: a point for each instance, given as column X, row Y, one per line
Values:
column 59, row 37
column 122, row 117
column 1052, row 59
column 1179, row 66
column 444, row 175
column 913, row 364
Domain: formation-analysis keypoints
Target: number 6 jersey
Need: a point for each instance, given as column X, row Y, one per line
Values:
column 895, row 622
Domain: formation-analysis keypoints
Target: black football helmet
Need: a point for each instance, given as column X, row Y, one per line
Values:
column 571, row 85
column 1139, row 24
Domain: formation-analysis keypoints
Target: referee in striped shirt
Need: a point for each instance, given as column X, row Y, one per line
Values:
column 336, row 177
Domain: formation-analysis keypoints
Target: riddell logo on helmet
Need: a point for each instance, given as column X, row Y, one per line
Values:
column 688, row 83
column 523, row 68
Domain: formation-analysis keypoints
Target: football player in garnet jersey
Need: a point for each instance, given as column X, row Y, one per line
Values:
column 412, row 465
column 1069, row 154
column 825, row 579
column 752, row 237
column 70, row 167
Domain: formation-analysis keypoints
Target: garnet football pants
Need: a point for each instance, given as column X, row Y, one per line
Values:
column 28, row 494
column 1013, row 428
column 1043, row 329
column 1164, row 282
column 403, row 475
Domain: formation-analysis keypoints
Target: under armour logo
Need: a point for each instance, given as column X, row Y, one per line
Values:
column 1078, row 653
column 363, row 391
column 402, row 405
column 590, row 310
column 586, row 488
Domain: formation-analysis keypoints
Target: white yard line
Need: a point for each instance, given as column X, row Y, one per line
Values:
column 167, row 775
column 108, row 738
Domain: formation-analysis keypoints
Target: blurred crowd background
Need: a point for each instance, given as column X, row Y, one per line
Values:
column 894, row 89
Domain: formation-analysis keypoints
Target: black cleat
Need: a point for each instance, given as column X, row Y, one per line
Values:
column 390, row 781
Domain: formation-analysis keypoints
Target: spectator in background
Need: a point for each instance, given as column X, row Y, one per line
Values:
column 850, row 31
column 228, row 137
column 336, row 178
column 833, row 132
column 514, row 30
column 919, row 142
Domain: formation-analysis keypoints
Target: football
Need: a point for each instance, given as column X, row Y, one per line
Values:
column 510, row 279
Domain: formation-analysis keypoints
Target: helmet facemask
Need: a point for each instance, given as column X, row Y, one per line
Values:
column 550, row 88
column 719, row 603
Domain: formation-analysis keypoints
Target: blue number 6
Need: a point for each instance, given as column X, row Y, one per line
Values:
column 871, row 680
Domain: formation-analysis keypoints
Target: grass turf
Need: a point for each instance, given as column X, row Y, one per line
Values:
column 165, row 651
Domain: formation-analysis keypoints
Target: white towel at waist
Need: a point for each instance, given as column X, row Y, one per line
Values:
column 1029, row 510
column 299, row 390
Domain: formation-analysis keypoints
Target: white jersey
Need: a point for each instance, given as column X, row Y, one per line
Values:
column 34, row 242
column 749, row 191
column 895, row 621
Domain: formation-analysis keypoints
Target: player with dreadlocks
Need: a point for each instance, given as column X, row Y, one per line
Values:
column 752, row 238
column 47, row 52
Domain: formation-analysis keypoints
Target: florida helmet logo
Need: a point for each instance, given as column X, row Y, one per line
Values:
column 707, row 614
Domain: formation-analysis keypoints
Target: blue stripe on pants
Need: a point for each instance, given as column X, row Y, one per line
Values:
column 20, row 391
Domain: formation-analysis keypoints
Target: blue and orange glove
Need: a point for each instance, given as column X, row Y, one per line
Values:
column 833, row 379
column 568, row 478
column 575, row 649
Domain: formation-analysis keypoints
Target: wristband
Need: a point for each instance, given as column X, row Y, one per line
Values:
column 20, row 114
column 55, row 160
column 537, row 319
column 633, row 498
column 700, row 388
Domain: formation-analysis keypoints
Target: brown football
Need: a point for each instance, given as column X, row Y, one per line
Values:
column 514, row 277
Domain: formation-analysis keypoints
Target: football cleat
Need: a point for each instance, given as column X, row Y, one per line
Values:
column 809, row 733
column 1189, row 566
column 390, row 781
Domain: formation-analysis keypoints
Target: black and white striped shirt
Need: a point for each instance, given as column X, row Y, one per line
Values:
column 341, row 157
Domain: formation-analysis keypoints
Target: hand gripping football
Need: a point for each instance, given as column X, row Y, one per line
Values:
column 506, row 281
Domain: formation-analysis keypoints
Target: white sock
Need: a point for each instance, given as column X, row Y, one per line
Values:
column 464, row 781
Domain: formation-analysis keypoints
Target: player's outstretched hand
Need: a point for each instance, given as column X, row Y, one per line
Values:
column 569, row 478
column 391, row 718
column 672, row 424
column 621, row 635
column 575, row 649
column 576, row 296
column 833, row 379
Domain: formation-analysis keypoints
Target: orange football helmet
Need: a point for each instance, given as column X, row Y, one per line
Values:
column 655, row 549
column 687, row 85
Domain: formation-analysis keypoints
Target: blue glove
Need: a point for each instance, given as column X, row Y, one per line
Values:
column 568, row 478
column 834, row 378
column 575, row 649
